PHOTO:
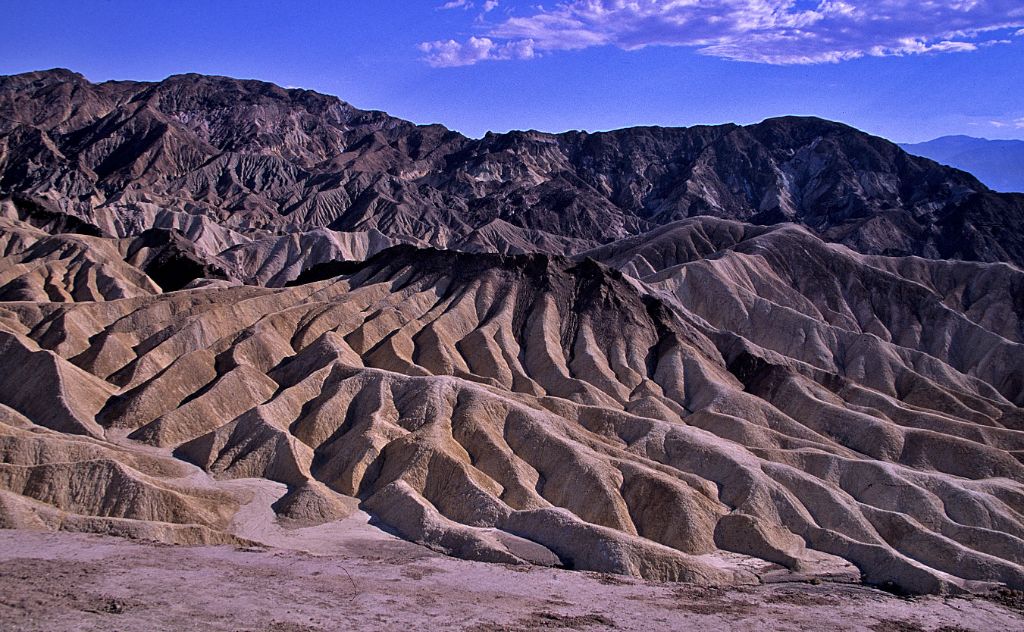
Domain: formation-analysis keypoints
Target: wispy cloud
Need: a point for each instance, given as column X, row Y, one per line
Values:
column 486, row 7
column 1017, row 123
column 763, row 31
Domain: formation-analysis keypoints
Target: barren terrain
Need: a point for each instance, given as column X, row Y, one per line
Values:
column 697, row 362
column 370, row 580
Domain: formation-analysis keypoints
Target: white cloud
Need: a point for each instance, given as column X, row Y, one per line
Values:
column 765, row 31
column 475, row 49
column 457, row 4
column 1019, row 123
column 490, row 5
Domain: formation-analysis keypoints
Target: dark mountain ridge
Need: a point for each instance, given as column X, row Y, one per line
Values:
column 257, row 157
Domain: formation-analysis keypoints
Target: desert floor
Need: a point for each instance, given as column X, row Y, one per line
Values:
column 359, row 577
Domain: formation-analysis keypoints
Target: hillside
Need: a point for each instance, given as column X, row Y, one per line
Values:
column 708, row 355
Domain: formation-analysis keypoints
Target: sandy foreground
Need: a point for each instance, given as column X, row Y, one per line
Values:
column 352, row 576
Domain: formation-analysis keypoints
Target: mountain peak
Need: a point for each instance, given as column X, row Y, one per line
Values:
column 40, row 77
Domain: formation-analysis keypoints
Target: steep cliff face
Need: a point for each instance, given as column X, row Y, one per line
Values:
column 681, row 354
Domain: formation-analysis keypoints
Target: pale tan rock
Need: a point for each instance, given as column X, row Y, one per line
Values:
column 535, row 409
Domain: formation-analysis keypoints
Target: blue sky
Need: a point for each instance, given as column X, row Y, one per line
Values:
column 907, row 70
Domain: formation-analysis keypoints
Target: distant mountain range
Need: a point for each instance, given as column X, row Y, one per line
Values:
column 997, row 163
